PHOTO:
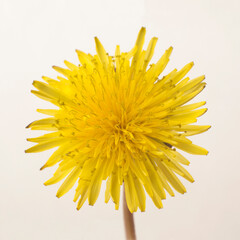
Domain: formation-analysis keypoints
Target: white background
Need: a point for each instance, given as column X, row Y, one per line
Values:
column 34, row 35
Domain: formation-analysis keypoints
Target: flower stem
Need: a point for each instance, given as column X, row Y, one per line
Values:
column 128, row 220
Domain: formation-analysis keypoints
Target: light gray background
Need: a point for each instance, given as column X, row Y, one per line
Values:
column 35, row 35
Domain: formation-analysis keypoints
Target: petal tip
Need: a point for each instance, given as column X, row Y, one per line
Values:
column 43, row 167
column 96, row 39
column 170, row 49
column 59, row 194
column 55, row 67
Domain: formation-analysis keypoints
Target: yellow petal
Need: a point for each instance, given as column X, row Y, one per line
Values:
column 182, row 73
column 42, row 123
column 51, row 112
column 192, row 148
column 44, row 97
column 85, row 60
column 157, row 200
column 160, row 65
column 63, row 71
column 129, row 195
column 188, row 108
column 46, row 145
column 155, row 179
column 44, row 137
column 165, row 183
column 171, row 177
column 81, row 189
column 101, row 53
column 149, row 52
column 59, row 153
column 181, row 159
column 139, row 43
column 115, row 187
column 53, row 93
column 196, row 130
column 69, row 182
column 107, row 192
column 70, row 65
column 58, row 176
column 95, row 185
column 83, row 198
column 140, row 194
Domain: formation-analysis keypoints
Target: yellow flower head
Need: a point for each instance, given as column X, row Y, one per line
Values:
column 117, row 120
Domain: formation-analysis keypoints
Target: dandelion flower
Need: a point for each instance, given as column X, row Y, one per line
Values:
column 118, row 120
